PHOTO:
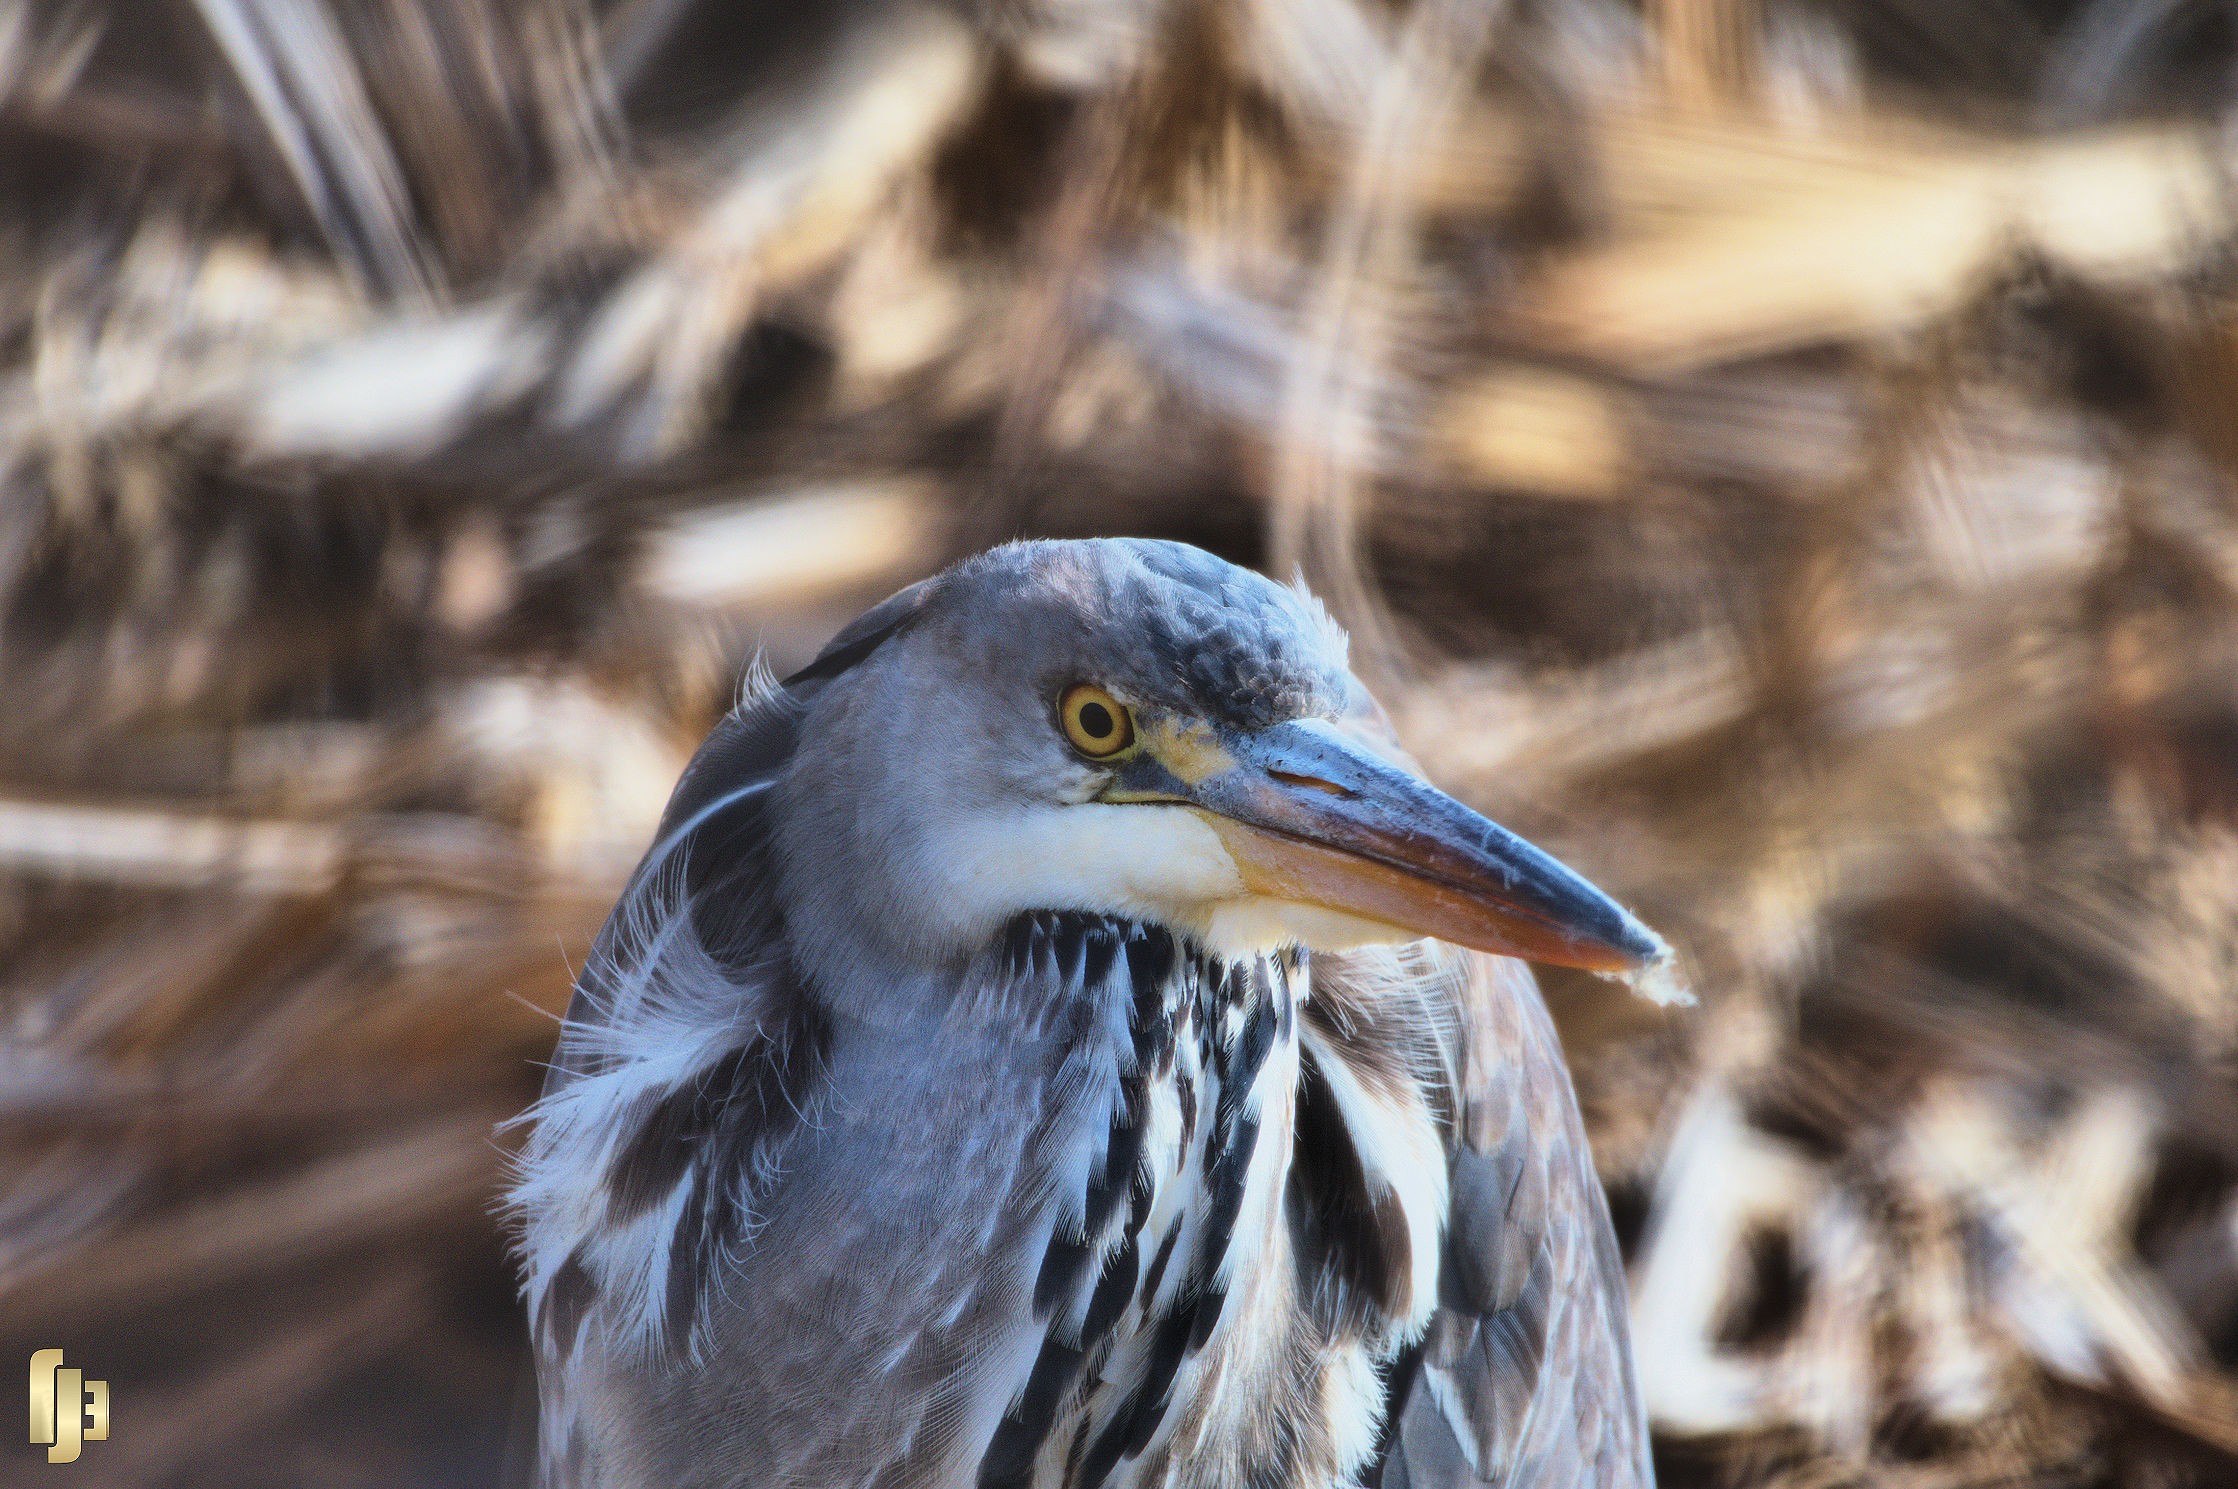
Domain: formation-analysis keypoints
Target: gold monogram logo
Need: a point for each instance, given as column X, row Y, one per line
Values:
column 67, row 1410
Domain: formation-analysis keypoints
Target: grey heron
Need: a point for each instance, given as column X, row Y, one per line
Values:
column 1056, row 1041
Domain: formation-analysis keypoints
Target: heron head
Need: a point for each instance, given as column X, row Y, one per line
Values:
column 1139, row 729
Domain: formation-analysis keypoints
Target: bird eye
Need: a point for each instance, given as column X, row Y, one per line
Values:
column 1098, row 724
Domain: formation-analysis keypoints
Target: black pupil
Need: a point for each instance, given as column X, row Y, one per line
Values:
column 1096, row 721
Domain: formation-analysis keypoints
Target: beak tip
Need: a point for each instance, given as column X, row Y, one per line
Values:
column 1653, row 972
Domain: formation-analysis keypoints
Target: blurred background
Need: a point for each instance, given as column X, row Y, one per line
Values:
column 1780, row 454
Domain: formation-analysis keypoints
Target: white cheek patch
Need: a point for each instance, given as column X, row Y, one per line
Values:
column 1253, row 924
column 1154, row 863
column 1162, row 864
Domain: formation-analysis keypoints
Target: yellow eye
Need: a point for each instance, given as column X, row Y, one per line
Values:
column 1098, row 724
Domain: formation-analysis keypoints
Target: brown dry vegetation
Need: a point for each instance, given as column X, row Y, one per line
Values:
column 1781, row 455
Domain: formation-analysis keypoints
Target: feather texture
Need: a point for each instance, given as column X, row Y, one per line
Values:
column 1085, row 1207
column 1526, row 1378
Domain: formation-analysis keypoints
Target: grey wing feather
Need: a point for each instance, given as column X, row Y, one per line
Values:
column 1526, row 1378
column 685, row 1057
column 740, row 1267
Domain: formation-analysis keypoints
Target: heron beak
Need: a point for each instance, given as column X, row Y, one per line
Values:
column 1313, row 818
